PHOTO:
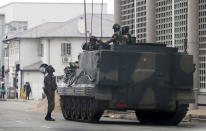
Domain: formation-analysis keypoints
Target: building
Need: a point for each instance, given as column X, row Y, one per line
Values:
column 54, row 43
column 20, row 16
column 202, row 47
column 169, row 22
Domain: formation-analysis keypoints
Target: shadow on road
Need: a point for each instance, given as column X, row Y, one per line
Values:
column 183, row 125
column 119, row 122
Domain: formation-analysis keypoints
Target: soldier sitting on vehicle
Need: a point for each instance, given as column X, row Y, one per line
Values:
column 117, row 36
column 70, row 72
column 126, row 37
column 92, row 45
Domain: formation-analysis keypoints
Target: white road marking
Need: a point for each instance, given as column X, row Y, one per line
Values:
column 46, row 127
column 1, row 129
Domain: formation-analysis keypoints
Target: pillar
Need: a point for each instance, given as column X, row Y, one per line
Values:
column 150, row 21
column 117, row 12
column 193, row 41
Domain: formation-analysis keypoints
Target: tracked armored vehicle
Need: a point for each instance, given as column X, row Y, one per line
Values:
column 154, row 80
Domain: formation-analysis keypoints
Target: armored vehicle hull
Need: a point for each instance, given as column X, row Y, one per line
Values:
column 154, row 80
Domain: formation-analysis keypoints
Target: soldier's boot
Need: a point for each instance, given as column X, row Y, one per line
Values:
column 48, row 117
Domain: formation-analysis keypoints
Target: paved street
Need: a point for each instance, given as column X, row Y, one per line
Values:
column 15, row 116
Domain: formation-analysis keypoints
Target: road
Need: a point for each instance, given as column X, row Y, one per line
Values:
column 15, row 116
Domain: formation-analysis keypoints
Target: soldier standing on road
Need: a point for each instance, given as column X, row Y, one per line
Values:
column 117, row 36
column 49, row 89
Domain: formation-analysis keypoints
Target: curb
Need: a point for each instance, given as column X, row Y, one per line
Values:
column 191, row 117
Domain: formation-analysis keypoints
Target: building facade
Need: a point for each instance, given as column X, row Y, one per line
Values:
column 202, row 46
column 171, row 28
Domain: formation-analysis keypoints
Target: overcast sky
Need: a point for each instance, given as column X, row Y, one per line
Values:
column 109, row 2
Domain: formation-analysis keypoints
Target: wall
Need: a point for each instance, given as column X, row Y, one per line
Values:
column 8, row 11
column 27, row 56
column 56, row 58
column 28, row 52
column 2, row 19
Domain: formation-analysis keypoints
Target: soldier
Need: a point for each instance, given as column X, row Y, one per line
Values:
column 70, row 72
column 126, row 37
column 28, row 90
column 92, row 45
column 117, row 36
column 49, row 89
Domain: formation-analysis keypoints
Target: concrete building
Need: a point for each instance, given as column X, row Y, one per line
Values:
column 20, row 16
column 54, row 43
column 177, row 23
column 162, row 20
column 202, row 49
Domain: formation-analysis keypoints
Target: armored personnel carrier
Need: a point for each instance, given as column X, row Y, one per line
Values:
column 154, row 80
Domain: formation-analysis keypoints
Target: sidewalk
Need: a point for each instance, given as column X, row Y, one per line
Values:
column 16, row 100
column 199, row 113
column 3, row 99
column 20, row 104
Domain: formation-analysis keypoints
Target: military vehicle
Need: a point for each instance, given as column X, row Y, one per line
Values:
column 154, row 80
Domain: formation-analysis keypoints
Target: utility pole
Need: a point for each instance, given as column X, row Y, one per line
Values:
column 16, row 79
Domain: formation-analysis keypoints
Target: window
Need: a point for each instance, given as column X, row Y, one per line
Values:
column 6, row 52
column 41, row 50
column 66, row 49
column 16, row 26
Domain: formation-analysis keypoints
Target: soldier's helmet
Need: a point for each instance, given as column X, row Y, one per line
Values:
column 70, row 68
column 42, row 68
column 73, row 65
column 50, row 69
column 67, row 70
column 125, row 29
column 116, row 27
column 84, row 46
column 93, row 38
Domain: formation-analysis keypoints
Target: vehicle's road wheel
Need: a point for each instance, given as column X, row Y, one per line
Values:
column 95, row 110
column 163, row 118
column 64, row 107
column 78, row 109
column 83, row 110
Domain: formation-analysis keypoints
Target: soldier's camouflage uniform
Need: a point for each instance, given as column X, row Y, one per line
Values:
column 116, row 38
column 126, row 39
column 91, row 45
column 50, row 87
